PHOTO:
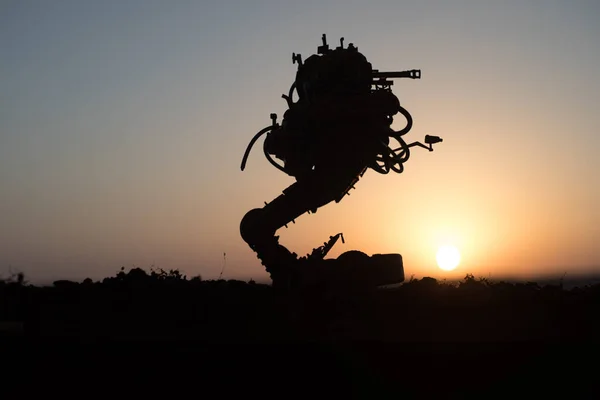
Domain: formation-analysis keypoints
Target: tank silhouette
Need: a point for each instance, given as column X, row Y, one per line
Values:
column 339, row 126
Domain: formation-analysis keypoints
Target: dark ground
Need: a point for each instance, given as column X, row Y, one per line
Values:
column 159, row 332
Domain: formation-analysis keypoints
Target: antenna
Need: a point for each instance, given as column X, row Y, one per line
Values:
column 325, row 47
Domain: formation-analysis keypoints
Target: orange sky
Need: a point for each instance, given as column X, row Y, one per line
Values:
column 122, row 127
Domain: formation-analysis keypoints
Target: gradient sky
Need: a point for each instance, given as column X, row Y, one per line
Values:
column 123, row 124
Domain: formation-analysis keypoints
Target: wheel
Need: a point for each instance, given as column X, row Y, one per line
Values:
column 353, row 257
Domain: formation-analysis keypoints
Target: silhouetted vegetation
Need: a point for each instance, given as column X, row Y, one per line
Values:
column 140, row 304
column 377, row 335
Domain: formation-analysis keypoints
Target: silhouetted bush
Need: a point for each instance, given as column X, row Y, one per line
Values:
column 165, row 303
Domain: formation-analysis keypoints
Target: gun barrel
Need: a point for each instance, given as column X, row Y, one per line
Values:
column 413, row 74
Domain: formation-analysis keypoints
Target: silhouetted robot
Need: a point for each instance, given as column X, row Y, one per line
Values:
column 338, row 128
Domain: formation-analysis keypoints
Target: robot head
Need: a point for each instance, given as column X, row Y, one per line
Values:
column 338, row 72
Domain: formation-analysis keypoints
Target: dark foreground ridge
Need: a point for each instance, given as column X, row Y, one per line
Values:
column 420, row 339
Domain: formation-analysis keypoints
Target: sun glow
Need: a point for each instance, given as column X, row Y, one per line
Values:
column 448, row 257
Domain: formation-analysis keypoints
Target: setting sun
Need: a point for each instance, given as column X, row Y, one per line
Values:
column 448, row 257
